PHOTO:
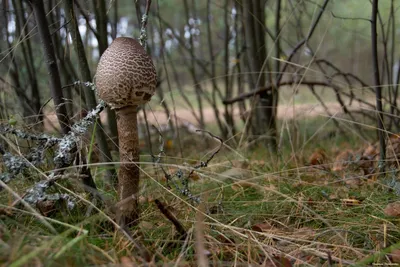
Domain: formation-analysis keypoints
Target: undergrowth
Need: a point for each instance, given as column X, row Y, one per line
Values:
column 255, row 208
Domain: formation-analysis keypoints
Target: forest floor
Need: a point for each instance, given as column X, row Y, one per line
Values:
column 320, row 202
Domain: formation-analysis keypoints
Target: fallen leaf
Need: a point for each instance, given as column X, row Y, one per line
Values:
column 46, row 207
column 392, row 209
column 225, row 240
column 262, row 227
column 353, row 182
column 395, row 256
column 194, row 176
column 240, row 164
column 169, row 144
column 367, row 165
column 371, row 152
column 277, row 261
column 393, row 149
column 351, row 202
column 343, row 160
column 318, row 157
column 243, row 184
column 126, row 262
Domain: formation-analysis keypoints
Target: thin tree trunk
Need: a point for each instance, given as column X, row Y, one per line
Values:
column 22, row 26
column 277, row 65
column 51, row 62
column 378, row 88
column 193, row 72
column 14, row 70
column 62, row 55
column 263, row 120
column 228, row 113
column 239, row 32
column 114, row 24
column 100, row 12
column 89, row 94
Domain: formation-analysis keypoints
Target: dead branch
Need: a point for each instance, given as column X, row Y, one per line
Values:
column 167, row 213
column 270, row 88
column 302, row 42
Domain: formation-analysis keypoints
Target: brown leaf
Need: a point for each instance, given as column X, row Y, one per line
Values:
column 126, row 262
column 46, row 207
column 393, row 148
column 318, row 157
column 262, row 227
column 194, row 176
column 243, row 184
column 343, row 160
column 371, row 152
column 169, row 144
column 240, row 164
column 353, row 182
column 395, row 256
column 277, row 261
column 225, row 239
column 392, row 209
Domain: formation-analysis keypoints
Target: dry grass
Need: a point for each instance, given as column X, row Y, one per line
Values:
column 258, row 209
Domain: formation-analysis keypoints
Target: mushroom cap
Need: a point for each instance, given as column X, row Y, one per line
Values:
column 125, row 74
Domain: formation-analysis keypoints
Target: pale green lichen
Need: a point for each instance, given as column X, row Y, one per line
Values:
column 65, row 154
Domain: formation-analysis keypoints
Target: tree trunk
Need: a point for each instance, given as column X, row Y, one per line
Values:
column 378, row 88
column 100, row 12
column 14, row 70
column 89, row 94
column 263, row 119
column 51, row 63
column 29, row 61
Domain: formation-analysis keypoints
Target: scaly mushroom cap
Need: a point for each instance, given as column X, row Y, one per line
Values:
column 125, row 74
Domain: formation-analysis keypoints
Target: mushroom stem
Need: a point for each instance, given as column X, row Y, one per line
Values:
column 128, row 175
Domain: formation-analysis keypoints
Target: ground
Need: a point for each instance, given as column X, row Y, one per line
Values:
column 308, row 206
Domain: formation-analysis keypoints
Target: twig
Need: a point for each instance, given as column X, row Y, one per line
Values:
column 327, row 110
column 302, row 42
column 348, row 18
column 184, row 189
column 270, row 88
column 204, row 164
column 327, row 256
column 87, row 19
column 143, row 33
column 378, row 89
column 28, row 207
column 64, row 155
column 178, row 226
